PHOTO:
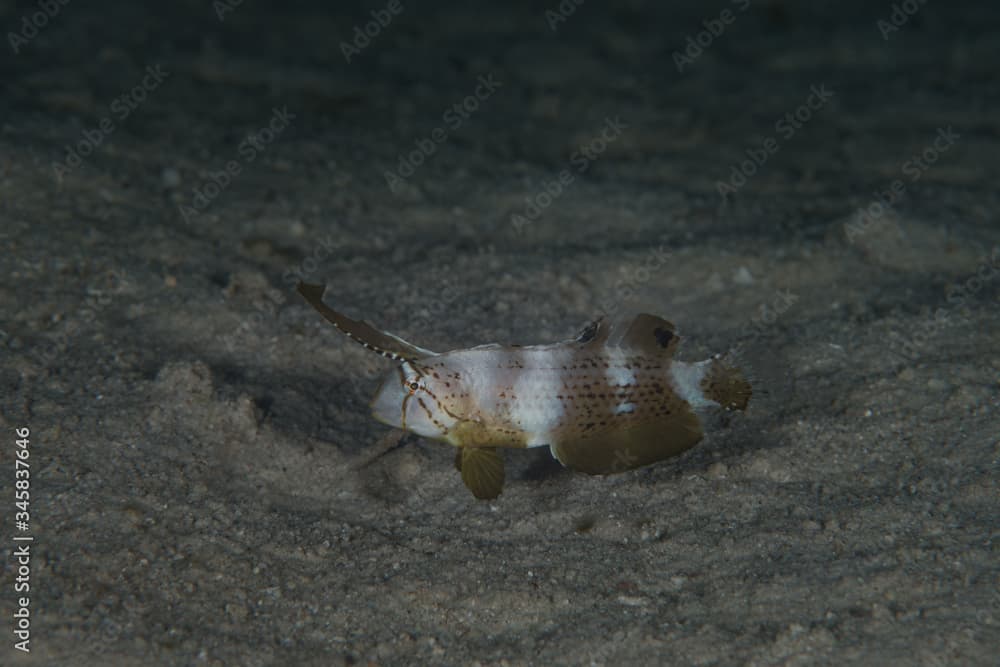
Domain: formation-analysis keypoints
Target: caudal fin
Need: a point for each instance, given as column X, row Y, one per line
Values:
column 726, row 385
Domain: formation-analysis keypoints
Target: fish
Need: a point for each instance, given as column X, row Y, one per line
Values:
column 612, row 398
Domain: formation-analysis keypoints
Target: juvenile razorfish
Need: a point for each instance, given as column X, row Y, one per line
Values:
column 609, row 400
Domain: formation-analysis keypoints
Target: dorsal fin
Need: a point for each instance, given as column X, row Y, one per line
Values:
column 642, row 333
column 647, row 333
column 383, row 343
column 639, row 332
column 594, row 332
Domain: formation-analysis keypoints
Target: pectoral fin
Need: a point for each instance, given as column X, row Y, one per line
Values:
column 482, row 471
column 381, row 342
column 617, row 450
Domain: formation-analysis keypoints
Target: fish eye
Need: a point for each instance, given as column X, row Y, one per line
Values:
column 413, row 385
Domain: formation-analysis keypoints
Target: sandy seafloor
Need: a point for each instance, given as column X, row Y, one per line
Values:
column 207, row 486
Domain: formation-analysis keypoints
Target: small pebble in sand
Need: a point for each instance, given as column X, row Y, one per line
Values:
column 743, row 276
column 170, row 177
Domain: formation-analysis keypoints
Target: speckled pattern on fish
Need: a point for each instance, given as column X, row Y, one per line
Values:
column 611, row 399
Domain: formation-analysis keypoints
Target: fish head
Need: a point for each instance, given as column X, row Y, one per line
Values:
column 413, row 399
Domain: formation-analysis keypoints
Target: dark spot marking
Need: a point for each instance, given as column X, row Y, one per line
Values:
column 588, row 333
column 663, row 336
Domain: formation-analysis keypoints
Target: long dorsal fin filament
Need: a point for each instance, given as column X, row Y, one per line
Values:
column 381, row 342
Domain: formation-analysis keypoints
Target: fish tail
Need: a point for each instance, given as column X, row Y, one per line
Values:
column 726, row 385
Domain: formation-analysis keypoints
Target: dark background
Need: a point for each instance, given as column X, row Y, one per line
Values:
column 207, row 484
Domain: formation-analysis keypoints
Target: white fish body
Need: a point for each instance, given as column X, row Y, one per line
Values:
column 609, row 400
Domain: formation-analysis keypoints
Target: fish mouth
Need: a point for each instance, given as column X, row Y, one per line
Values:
column 389, row 404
